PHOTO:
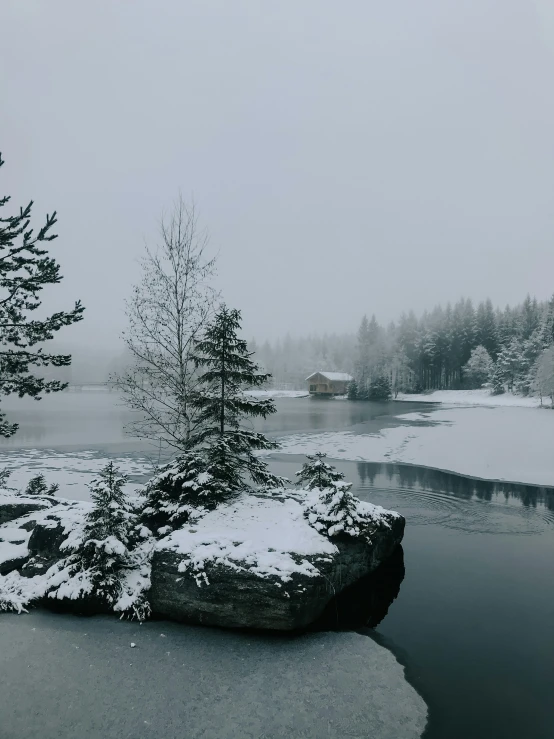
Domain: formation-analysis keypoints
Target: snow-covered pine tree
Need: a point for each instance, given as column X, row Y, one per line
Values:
column 178, row 490
column 543, row 380
column 103, row 552
column 227, row 370
column 478, row 369
column 379, row 389
column 316, row 474
column 25, row 269
column 509, row 364
column 353, row 390
column 334, row 510
column 531, row 353
column 37, row 486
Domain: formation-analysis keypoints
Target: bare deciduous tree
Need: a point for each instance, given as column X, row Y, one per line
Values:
column 166, row 312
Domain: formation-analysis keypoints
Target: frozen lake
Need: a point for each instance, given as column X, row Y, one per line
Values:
column 472, row 620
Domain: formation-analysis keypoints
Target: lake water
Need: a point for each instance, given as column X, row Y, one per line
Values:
column 473, row 617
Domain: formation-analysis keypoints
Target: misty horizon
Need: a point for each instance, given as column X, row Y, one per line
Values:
column 381, row 160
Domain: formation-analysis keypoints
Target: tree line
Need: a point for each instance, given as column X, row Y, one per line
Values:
column 460, row 346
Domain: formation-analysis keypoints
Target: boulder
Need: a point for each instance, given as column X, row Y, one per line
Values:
column 46, row 538
column 13, row 507
column 233, row 594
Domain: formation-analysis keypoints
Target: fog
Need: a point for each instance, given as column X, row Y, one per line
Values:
column 345, row 157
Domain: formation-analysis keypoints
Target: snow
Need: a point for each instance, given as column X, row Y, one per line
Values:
column 267, row 536
column 71, row 471
column 510, row 443
column 10, row 496
column 473, row 397
column 333, row 376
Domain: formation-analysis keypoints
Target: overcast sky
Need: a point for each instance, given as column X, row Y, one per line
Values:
column 346, row 157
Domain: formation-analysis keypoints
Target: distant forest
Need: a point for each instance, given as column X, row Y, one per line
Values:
column 459, row 346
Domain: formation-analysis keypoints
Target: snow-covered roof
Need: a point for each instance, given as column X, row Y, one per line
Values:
column 338, row 376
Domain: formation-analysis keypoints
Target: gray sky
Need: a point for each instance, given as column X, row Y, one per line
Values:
column 346, row 157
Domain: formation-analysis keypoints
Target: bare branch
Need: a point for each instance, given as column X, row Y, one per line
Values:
column 167, row 310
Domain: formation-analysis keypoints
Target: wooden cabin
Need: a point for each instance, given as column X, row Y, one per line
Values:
column 328, row 383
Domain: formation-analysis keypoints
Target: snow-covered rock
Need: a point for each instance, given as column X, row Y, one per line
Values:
column 14, row 506
column 254, row 562
column 257, row 562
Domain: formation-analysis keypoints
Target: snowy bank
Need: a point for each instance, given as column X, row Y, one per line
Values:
column 254, row 562
column 511, row 444
column 473, row 397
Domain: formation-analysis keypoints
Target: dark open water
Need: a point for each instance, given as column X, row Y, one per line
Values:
column 473, row 620
column 474, row 617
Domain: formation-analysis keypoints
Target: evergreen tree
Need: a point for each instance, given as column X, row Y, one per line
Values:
column 363, row 357
column 486, row 333
column 316, row 474
column 509, row 364
column 529, row 319
column 37, row 486
column 543, row 376
column 353, row 390
column 531, row 351
column 181, row 488
column 548, row 322
column 334, row 511
column 227, row 370
column 479, row 368
column 380, row 389
column 103, row 552
column 25, row 269
column 401, row 373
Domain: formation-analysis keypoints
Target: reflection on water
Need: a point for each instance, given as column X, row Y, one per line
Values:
column 97, row 418
column 366, row 602
column 424, row 478
column 426, row 496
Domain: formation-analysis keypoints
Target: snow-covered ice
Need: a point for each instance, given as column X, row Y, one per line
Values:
column 510, row 443
column 473, row 397
column 72, row 471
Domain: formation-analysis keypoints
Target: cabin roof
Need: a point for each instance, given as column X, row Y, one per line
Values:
column 337, row 376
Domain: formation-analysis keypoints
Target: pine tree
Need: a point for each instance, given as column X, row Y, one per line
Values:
column 509, row 364
column 543, row 379
column 548, row 321
column 104, row 552
column 479, row 368
column 37, row 486
column 178, row 491
column 353, row 390
column 25, row 269
column 401, row 373
column 226, row 372
column 380, row 389
column 529, row 319
column 486, row 334
column 316, row 474
column 334, row 511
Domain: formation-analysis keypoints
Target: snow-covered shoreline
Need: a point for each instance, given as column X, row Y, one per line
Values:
column 510, row 444
column 473, row 397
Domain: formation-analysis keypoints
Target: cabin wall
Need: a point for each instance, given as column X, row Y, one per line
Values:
column 319, row 385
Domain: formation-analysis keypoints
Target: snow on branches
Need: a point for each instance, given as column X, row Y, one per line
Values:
column 332, row 509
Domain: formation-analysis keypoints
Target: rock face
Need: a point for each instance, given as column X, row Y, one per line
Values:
column 238, row 598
